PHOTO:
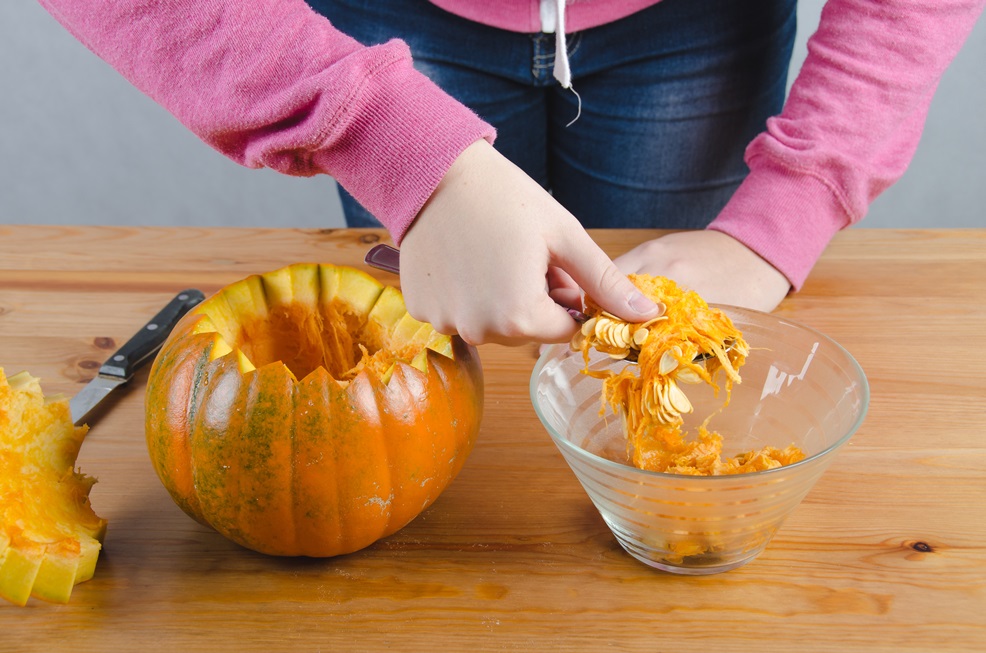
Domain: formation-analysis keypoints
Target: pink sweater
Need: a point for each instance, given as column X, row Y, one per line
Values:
column 271, row 83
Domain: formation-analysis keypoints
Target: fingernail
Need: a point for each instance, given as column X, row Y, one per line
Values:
column 641, row 304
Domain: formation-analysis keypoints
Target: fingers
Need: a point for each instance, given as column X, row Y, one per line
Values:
column 719, row 268
column 544, row 322
column 563, row 289
column 590, row 267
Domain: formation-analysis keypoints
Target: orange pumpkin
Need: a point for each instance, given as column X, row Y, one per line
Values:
column 305, row 412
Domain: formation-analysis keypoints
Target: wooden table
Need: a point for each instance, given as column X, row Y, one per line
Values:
column 887, row 553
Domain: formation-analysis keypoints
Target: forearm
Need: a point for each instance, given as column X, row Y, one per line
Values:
column 270, row 83
column 849, row 128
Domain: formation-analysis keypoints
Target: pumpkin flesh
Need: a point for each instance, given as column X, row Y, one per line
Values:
column 50, row 537
column 304, row 412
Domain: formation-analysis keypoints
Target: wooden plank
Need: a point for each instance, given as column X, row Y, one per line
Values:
column 885, row 554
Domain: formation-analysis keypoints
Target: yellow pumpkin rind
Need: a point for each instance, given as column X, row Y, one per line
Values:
column 50, row 538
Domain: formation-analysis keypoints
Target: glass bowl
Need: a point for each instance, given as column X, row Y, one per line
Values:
column 798, row 387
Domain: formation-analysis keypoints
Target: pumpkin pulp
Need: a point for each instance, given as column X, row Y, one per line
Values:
column 690, row 344
column 50, row 537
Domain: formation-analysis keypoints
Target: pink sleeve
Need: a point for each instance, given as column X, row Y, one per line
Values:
column 270, row 83
column 850, row 126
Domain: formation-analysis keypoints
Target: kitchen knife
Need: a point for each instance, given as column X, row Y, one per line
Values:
column 120, row 367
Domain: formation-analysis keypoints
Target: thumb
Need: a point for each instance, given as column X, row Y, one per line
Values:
column 599, row 277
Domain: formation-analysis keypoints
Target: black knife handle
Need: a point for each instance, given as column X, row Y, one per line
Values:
column 148, row 340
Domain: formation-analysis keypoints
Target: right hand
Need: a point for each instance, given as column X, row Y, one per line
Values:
column 490, row 245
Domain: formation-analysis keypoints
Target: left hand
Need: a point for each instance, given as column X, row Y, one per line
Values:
column 717, row 266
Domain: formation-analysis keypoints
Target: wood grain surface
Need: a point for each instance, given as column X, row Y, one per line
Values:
column 887, row 553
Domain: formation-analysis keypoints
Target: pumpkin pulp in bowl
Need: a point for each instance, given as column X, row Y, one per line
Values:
column 689, row 343
column 305, row 412
column 676, row 502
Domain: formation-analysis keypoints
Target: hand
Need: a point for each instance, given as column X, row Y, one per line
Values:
column 490, row 245
column 717, row 266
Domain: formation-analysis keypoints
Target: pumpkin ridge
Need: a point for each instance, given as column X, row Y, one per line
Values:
column 387, row 472
column 439, row 442
column 249, row 391
column 201, row 443
column 383, row 469
column 175, row 362
column 313, row 467
column 339, row 397
column 292, row 472
column 451, row 387
column 252, row 408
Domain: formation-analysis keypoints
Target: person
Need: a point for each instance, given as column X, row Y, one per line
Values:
column 665, row 113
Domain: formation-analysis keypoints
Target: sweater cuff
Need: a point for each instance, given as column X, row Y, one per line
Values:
column 400, row 142
column 786, row 217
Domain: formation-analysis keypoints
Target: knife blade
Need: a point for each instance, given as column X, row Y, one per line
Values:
column 121, row 366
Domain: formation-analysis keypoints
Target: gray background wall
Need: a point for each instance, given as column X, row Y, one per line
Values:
column 79, row 145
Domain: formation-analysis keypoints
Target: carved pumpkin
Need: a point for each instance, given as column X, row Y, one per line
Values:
column 305, row 412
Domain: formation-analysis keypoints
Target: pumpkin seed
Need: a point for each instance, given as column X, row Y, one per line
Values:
column 668, row 362
column 677, row 398
column 687, row 375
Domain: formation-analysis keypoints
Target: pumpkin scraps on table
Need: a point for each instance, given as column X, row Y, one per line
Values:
column 50, row 538
column 304, row 412
column 689, row 343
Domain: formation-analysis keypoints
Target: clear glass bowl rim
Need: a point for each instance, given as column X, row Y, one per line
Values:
column 613, row 466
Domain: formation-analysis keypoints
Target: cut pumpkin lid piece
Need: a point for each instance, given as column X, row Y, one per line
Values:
column 50, row 538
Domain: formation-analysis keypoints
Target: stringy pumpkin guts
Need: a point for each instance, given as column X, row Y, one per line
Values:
column 689, row 343
column 50, row 537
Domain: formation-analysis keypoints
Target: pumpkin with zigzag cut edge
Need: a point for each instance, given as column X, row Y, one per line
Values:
column 304, row 412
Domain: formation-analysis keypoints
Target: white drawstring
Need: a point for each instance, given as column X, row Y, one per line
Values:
column 562, row 71
column 553, row 20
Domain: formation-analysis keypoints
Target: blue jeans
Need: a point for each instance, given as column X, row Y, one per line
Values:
column 670, row 97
